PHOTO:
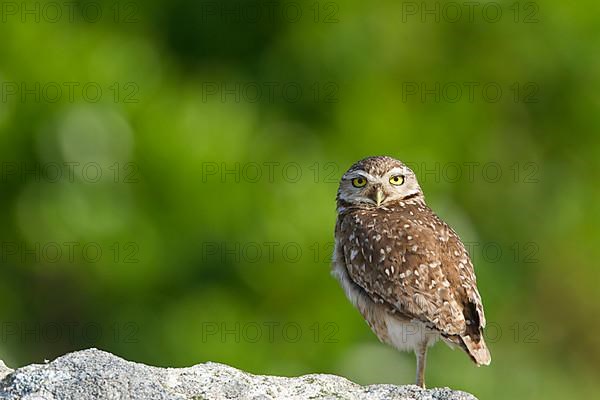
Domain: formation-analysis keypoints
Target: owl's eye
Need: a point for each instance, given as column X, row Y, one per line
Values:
column 397, row 180
column 359, row 182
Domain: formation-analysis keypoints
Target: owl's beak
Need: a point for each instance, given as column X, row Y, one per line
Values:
column 379, row 197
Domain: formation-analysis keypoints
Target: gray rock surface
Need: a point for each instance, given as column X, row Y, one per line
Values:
column 4, row 370
column 93, row 374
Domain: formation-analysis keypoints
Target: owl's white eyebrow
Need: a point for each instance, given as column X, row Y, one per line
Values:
column 355, row 174
column 397, row 171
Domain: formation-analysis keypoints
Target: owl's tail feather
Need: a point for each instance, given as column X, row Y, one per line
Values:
column 477, row 349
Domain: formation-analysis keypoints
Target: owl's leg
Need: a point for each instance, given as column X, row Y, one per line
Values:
column 421, row 352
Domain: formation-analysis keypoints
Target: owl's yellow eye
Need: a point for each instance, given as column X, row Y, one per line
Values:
column 397, row 180
column 359, row 182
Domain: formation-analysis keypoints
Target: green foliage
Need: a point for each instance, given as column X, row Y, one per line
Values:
column 201, row 263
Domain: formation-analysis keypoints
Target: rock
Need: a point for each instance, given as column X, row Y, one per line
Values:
column 4, row 370
column 93, row 374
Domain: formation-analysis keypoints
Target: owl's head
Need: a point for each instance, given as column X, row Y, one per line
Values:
column 378, row 182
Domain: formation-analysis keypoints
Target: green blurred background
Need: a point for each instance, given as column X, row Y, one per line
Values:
column 197, row 146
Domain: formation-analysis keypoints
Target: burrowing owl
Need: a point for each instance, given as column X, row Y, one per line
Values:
column 404, row 268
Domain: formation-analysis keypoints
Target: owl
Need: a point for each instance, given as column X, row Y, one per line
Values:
column 404, row 269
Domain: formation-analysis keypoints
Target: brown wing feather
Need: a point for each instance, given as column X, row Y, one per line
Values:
column 407, row 257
